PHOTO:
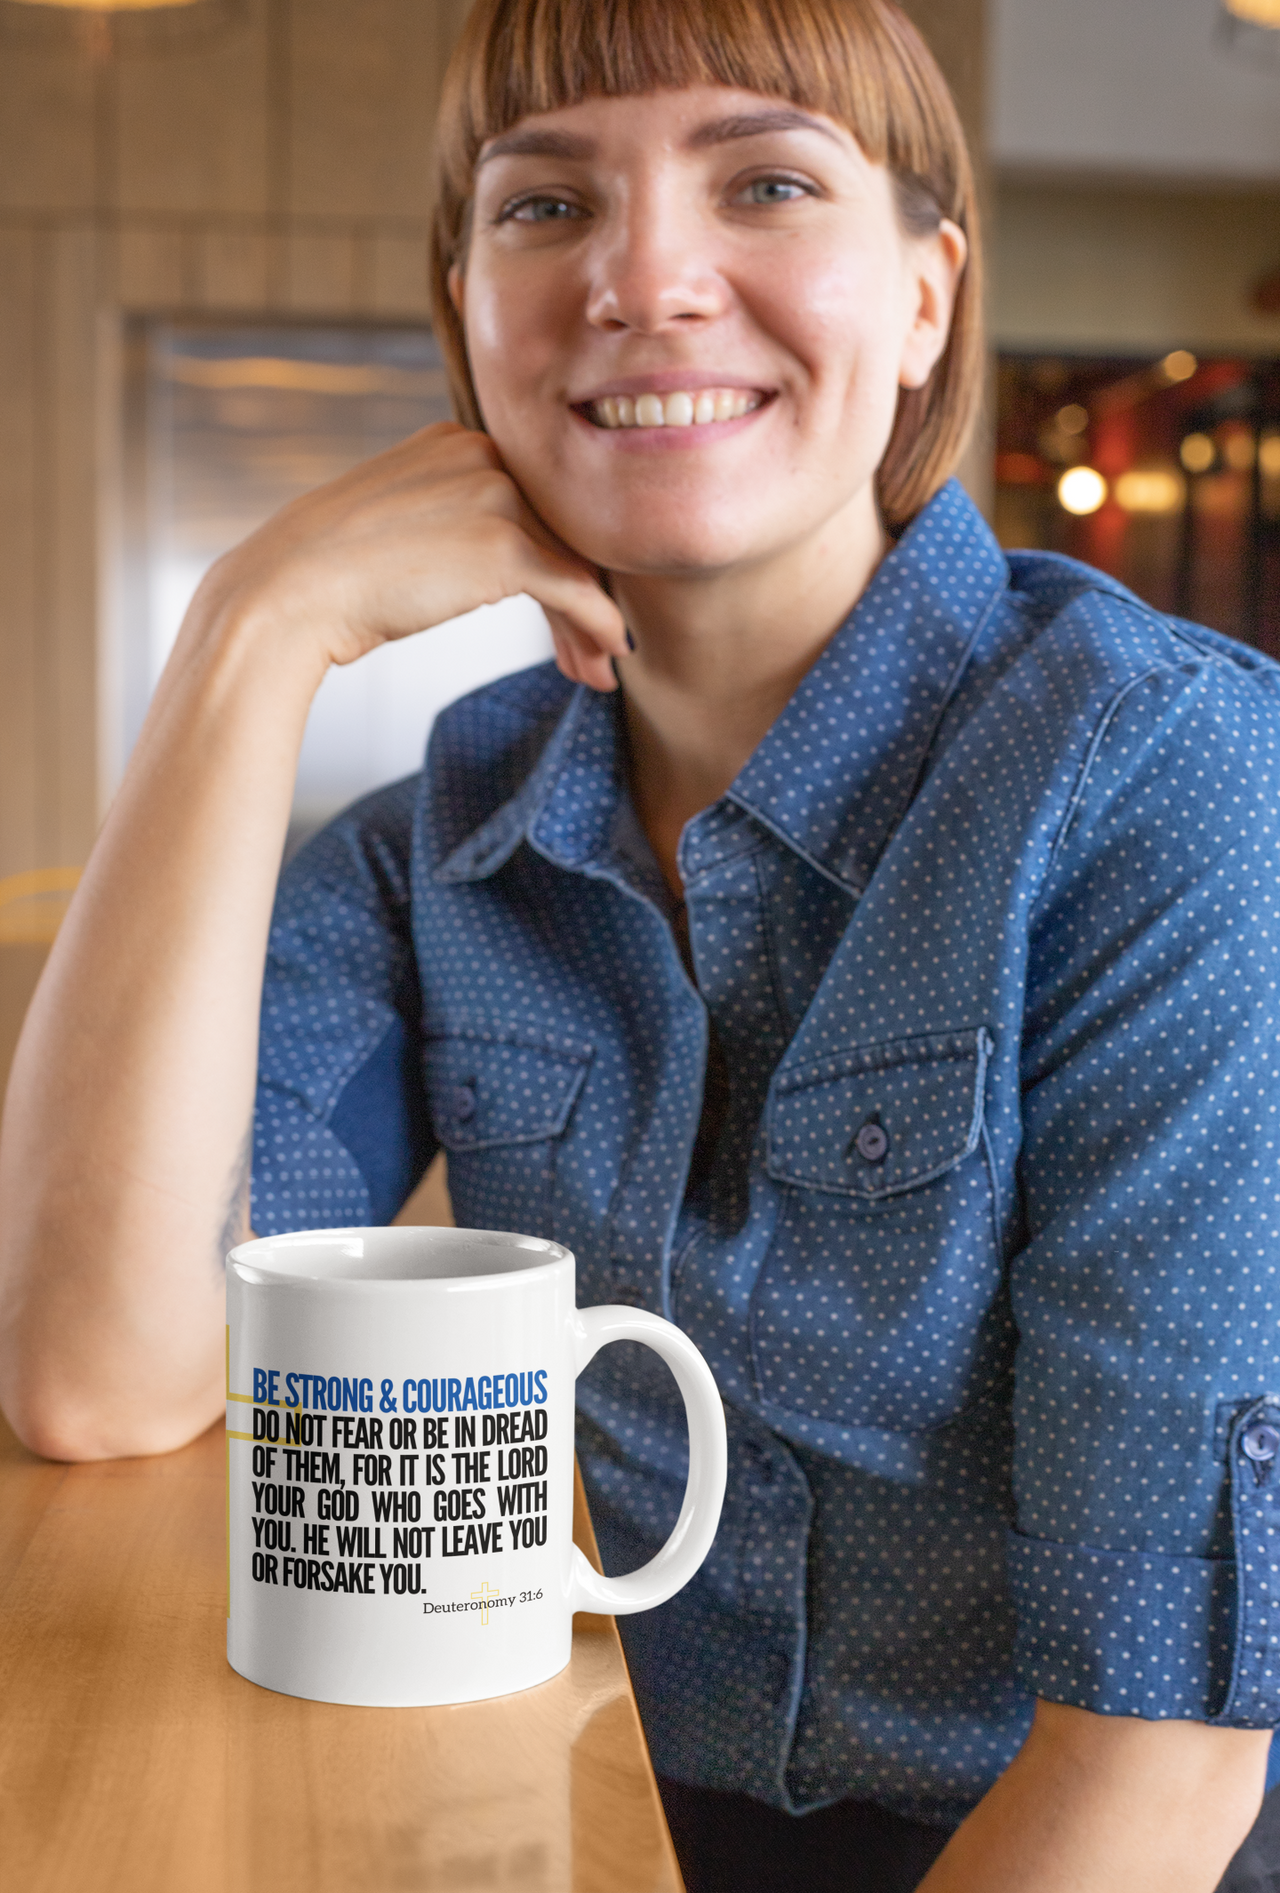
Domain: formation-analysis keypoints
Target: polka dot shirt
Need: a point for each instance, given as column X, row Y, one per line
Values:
column 988, row 931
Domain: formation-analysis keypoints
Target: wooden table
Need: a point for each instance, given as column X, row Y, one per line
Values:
column 133, row 1758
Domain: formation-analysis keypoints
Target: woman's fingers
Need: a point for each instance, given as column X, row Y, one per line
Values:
column 586, row 639
column 581, row 661
column 584, row 619
column 421, row 534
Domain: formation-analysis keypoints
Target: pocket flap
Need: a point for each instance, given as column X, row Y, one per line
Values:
column 488, row 1088
column 879, row 1119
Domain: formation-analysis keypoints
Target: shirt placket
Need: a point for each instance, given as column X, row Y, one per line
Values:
column 1253, row 1696
column 729, row 947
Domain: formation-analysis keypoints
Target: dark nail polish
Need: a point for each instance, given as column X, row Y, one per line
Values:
column 631, row 643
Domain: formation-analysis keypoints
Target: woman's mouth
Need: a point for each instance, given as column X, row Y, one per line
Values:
column 679, row 409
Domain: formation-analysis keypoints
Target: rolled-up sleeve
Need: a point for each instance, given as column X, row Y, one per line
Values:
column 1145, row 1554
column 341, row 1130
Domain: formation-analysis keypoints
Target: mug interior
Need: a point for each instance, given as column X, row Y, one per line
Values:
column 393, row 1255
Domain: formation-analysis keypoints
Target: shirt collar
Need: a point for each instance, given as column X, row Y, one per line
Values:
column 567, row 802
column 835, row 773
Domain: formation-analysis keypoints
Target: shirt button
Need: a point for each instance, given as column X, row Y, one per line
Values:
column 872, row 1143
column 464, row 1102
column 1260, row 1442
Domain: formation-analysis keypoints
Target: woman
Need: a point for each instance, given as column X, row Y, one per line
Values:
column 860, row 949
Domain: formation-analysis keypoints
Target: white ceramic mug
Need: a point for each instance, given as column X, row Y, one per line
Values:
column 400, row 1463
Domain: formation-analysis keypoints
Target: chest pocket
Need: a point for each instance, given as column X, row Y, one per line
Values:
column 500, row 1102
column 874, row 1304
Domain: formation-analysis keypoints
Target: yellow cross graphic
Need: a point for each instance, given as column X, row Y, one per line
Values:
column 484, row 1594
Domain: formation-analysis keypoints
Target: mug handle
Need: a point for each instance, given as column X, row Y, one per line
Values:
column 699, row 1516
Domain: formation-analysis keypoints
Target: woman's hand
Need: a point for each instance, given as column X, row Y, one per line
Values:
column 123, row 1163
column 1111, row 1804
column 425, row 532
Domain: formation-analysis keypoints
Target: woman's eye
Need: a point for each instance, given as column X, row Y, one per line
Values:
column 540, row 210
column 773, row 190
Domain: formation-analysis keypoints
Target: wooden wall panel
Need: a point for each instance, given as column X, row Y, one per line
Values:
column 363, row 86
column 232, row 269
column 46, row 128
column 399, row 276
column 191, row 125
column 957, row 33
column 152, row 267
column 20, row 322
column 321, row 273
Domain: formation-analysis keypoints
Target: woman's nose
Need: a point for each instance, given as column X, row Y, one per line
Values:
column 653, row 268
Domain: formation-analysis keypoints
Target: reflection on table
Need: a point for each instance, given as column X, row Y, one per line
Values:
column 132, row 1757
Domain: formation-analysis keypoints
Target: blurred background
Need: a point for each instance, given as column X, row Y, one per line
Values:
column 213, row 223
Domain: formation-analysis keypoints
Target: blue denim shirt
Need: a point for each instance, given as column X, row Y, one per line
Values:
column 987, row 929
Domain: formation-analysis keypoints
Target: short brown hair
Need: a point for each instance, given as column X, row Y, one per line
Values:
column 859, row 62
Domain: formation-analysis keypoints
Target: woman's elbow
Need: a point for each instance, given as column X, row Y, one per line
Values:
column 59, row 1421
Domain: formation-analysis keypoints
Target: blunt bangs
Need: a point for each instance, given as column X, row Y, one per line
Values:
column 859, row 62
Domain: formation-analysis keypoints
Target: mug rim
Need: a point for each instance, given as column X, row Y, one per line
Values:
column 244, row 1258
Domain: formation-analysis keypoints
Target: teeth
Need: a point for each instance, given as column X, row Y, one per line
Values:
column 674, row 410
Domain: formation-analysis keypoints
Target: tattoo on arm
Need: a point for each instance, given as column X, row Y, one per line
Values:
column 235, row 1224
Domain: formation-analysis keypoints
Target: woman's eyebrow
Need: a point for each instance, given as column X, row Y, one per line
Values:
column 719, row 131
column 531, row 143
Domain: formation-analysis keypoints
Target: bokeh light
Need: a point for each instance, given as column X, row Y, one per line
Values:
column 1238, row 450
column 1261, row 12
column 1179, row 366
column 110, row 6
column 1150, row 490
column 1082, row 490
column 1171, row 483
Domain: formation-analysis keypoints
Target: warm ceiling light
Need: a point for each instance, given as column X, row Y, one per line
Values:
column 1260, row 12
column 1073, row 419
column 1181, row 364
column 1082, row 490
column 108, row 6
column 1197, row 453
column 1269, row 456
column 1150, row 490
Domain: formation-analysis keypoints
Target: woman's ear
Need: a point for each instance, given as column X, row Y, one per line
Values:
column 455, row 287
column 934, row 267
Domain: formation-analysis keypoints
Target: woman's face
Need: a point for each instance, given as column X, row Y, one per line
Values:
column 688, row 315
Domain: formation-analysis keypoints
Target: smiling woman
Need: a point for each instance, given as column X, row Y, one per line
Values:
column 860, row 67
column 860, row 949
column 702, row 245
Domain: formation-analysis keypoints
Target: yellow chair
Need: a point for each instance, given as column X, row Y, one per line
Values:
column 32, row 905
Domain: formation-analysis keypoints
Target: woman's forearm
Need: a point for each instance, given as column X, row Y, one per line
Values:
column 1111, row 1804
column 123, row 1159
column 123, row 1163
